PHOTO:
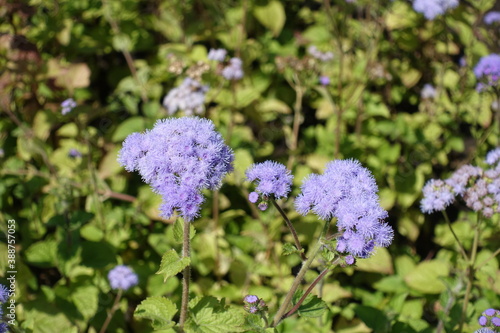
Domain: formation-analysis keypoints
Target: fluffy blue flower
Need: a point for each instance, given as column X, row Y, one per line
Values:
column 273, row 179
column 433, row 8
column 487, row 71
column 179, row 158
column 428, row 91
column 122, row 277
column 217, row 54
column 188, row 97
column 492, row 17
column 437, row 196
column 233, row 71
column 3, row 328
column 4, row 293
column 68, row 105
column 348, row 192
column 493, row 156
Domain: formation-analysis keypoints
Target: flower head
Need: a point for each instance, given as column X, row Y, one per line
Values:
column 67, row 106
column 487, row 71
column 4, row 293
column 484, row 330
column 273, row 179
column 233, row 71
column 437, row 196
column 324, row 80
column 348, row 192
column 251, row 299
column 179, row 158
column 189, row 97
column 433, row 8
column 217, row 54
column 428, row 92
column 491, row 17
column 122, row 277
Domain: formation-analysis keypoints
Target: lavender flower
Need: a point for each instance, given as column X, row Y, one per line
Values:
column 493, row 156
column 437, row 196
column 348, row 192
column 433, row 8
column 484, row 330
column 349, row 260
column 491, row 318
column 273, row 179
column 253, row 197
column 233, row 70
column 179, row 158
column 317, row 54
column 492, row 17
column 189, row 97
column 122, row 277
column 253, row 304
column 262, row 206
column 251, row 299
column 4, row 293
column 324, row 80
column 67, row 106
column 487, row 71
column 74, row 153
column 428, row 91
column 217, row 54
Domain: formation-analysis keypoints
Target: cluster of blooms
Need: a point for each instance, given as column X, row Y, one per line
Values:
column 179, row 158
column 317, row 54
column 217, row 55
column 490, row 320
column 4, row 297
column 348, row 192
column 253, row 304
column 487, row 71
column 324, row 80
column 122, row 277
column 74, row 153
column 492, row 17
column 479, row 188
column 273, row 179
column 433, row 8
column 189, row 97
column 233, row 71
column 68, row 105
column 428, row 91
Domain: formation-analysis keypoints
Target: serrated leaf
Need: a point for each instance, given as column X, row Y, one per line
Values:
column 179, row 230
column 272, row 16
column 86, row 300
column 208, row 315
column 159, row 310
column 289, row 249
column 171, row 264
column 312, row 306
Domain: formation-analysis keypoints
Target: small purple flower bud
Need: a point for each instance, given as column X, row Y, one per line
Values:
column 483, row 321
column 74, row 153
column 253, row 309
column 122, row 277
column 68, row 105
column 253, row 197
column 251, row 299
column 349, row 260
column 262, row 206
column 324, row 80
column 495, row 321
column 489, row 312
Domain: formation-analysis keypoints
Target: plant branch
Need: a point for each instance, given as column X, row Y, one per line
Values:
column 186, row 275
column 112, row 311
column 291, row 228
column 462, row 250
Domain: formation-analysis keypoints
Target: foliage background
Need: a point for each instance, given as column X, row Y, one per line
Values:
column 79, row 217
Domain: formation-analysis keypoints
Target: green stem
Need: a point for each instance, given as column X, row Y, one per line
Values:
column 493, row 255
column 112, row 311
column 186, row 276
column 291, row 228
column 462, row 250
column 299, row 92
column 470, row 273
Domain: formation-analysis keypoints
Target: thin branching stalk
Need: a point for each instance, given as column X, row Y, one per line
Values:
column 291, row 228
column 297, row 109
column 493, row 255
column 115, row 306
column 186, row 275
column 460, row 246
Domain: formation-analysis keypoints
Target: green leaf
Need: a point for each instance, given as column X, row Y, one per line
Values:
column 372, row 317
column 425, row 277
column 312, row 306
column 86, row 300
column 171, row 264
column 289, row 249
column 98, row 254
column 272, row 16
column 179, row 230
column 159, row 310
column 131, row 125
column 208, row 315
column 42, row 254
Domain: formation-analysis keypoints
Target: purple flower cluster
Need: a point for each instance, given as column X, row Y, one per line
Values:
column 317, row 54
column 122, row 277
column 428, row 91
column 433, row 8
column 67, row 106
column 253, row 304
column 487, row 71
column 490, row 319
column 217, row 55
column 479, row 188
column 273, row 179
column 4, row 297
column 348, row 192
column 233, row 70
column 491, row 17
column 189, row 97
column 179, row 158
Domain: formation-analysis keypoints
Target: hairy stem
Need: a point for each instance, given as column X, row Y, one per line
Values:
column 186, row 276
column 291, row 228
column 460, row 246
column 112, row 311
